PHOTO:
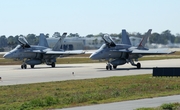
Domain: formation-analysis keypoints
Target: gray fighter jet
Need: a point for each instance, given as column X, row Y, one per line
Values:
column 120, row 54
column 38, row 54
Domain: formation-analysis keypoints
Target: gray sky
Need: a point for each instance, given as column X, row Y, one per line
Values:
column 88, row 16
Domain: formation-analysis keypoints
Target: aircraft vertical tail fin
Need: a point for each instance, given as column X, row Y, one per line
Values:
column 60, row 42
column 43, row 41
column 125, row 38
column 144, row 39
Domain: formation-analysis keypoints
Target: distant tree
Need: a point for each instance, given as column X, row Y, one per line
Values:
column 135, row 34
column 114, row 35
column 3, row 41
column 99, row 35
column 77, row 35
column 56, row 34
column 177, row 38
column 47, row 35
column 168, row 36
column 11, row 41
column 16, row 40
column 32, row 39
column 90, row 35
column 73, row 35
column 154, row 38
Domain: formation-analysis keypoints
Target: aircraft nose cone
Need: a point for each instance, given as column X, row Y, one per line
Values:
column 93, row 56
column 6, row 55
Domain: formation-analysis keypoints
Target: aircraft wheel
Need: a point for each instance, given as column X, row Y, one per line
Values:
column 22, row 67
column 114, row 66
column 110, row 67
column 53, row 64
column 138, row 65
column 107, row 67
column 32, row 66
column 25, row 66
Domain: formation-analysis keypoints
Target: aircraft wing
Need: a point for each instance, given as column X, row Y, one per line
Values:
column 73, row 52
column 51, row 52
column 122, row 50
column 152, row 51
column 35, row 51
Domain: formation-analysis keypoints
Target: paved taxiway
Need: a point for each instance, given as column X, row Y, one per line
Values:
column 13, row 74
column 130, row 105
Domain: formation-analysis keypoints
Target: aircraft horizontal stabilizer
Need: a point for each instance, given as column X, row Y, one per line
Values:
column 153, row 52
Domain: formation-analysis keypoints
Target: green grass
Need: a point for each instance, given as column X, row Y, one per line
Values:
column 169, row 106
column 84, row 92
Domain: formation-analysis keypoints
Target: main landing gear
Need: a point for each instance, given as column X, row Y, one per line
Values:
column 24, row 66
column 109, row 66
column 138, row 65
column 53, row 64
column 32, row 66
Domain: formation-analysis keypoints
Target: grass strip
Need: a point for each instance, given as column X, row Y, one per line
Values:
column 84, row 92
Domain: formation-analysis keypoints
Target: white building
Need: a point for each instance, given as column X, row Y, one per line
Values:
column 86, row 43
column 135, row 41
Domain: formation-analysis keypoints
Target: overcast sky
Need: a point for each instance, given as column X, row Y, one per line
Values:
column 88, row 16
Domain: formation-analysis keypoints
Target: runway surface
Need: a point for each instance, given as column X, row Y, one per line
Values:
column 13, row 74
column 130, row 105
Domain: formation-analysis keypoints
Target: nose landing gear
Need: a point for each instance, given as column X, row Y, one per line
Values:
column 108, row 66
column 23, row 66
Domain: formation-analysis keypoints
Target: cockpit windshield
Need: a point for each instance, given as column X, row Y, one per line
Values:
column 107, row 38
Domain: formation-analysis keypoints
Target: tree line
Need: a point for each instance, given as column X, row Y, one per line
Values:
column 33, row 39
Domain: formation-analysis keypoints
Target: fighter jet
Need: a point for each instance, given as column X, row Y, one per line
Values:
column 120, row 54
column 38, row 54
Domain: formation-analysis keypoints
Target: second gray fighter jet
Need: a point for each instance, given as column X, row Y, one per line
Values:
column 120, row 54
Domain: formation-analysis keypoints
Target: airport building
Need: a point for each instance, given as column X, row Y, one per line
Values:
column 77, row 43
column 86, row 43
